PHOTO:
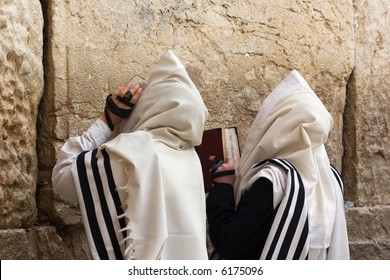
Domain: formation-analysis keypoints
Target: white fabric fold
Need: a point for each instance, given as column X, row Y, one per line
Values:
column 145, row 203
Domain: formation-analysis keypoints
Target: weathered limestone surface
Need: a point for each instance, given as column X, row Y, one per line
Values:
column 368, row 229
column 367, row 123
column 21, row 87
column 366, row 162
column 32, row 243
column 53, row 210
column 43, row 243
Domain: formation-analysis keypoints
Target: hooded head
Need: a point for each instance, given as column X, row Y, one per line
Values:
column 292, row 124
column 170, row 108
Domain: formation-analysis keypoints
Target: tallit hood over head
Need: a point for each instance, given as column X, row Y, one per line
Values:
column 170, row 108
column 292, row 124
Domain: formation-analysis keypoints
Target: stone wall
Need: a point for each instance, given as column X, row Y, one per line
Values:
column 21, row 88
column 235, row 51
column 366, row 141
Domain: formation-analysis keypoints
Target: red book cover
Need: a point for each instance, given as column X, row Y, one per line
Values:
column 220, row 142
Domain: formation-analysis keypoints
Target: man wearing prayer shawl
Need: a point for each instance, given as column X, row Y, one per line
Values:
column 138, row 181
column 286, row 200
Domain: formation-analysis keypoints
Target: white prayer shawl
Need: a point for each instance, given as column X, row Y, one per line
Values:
column 155, row 194
column 293, row 125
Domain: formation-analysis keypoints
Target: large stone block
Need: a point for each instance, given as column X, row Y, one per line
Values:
column 366, row 166
column 368, row 223
column 21, row 87
column 35, row 243
column 75, row 242
column 370, row 250
column 53, row 210
column 44, row 243
column 368, row 231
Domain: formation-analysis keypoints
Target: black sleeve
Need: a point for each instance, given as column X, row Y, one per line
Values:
column 240, row 233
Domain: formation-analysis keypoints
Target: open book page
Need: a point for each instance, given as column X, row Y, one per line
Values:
column 231, row 146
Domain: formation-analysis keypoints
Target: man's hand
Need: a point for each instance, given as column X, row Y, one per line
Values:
column 134, row 89
column 227, row 166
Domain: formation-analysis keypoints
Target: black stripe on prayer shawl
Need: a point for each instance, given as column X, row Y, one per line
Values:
column 114, row 193
column 294, row 221
column 90, row 207
column 338, row 177
column 94, row 186
column 305, row 230
column 283, row 219
column 104, row 206
column 297, row 208
column 302, row 241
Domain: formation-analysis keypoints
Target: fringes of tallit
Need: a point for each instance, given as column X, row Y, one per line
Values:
column 128, row 241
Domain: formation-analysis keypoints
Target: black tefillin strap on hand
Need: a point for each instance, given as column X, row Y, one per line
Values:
column 126, row 99
column 113, row 108
column 217, row 162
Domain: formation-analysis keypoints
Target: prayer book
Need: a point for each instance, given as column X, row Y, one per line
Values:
column 219, row 142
